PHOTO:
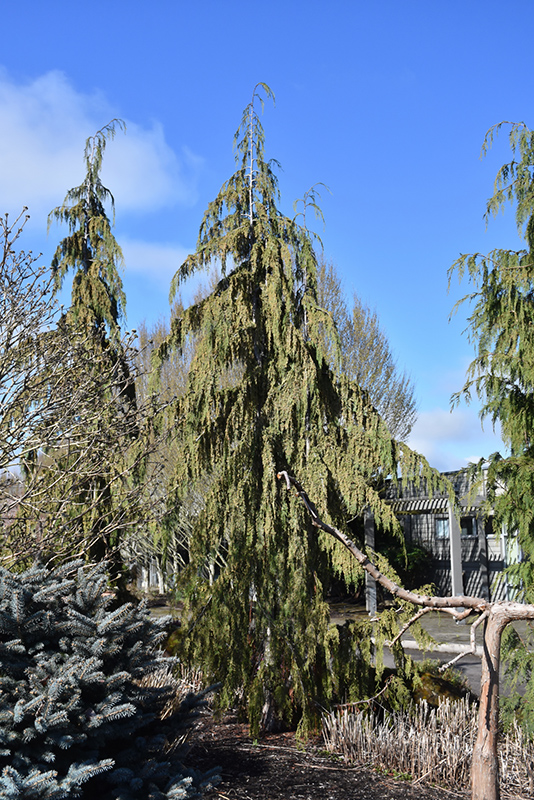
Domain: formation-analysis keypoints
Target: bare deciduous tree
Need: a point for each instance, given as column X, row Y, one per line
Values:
column 71, row 451
column 364, row 354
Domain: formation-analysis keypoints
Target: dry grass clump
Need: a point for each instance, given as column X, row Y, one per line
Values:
column 181, row 682
column 427, row 744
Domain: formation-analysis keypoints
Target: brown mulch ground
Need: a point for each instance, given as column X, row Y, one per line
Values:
column 276, row 768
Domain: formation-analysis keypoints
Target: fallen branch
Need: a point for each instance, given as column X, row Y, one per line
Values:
column 451, row 603
column 439, row 647
column 496, row 616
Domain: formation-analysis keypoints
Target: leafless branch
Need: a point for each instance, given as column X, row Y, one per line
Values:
column 450, row 603
column 417, row 616
column 73, row 435
column 472, row 650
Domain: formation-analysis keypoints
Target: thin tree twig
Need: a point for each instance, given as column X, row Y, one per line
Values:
column 473, row 648
column 367, row 700
column 420, row 613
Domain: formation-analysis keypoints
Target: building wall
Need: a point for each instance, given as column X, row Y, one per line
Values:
column 423, row 529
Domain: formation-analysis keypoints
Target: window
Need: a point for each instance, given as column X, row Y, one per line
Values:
column 468, row 526
column 442, row 528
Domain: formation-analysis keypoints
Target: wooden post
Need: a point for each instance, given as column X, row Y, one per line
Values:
column 455, row 543
column 370, row 582
column 483, row 557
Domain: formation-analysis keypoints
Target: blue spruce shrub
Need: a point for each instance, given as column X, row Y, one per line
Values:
column 78, row 717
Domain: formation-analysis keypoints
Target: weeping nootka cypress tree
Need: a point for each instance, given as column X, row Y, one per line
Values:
column 501, row 326
column 90, row 252
column 91, row 255
column 261, row 398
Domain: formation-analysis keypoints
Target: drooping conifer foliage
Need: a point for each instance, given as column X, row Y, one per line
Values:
column 90, row 251
column 260, row 398
column 77, row 716
column 501, row 326
column 92, row 256
column 60, row 425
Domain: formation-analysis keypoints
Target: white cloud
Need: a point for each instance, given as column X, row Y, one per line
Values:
column 143, row 172
column 157, row 262
column 45, row 123
column 452, row 440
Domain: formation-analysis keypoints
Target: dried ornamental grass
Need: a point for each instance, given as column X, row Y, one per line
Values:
column 427, row 744
column 182, row 681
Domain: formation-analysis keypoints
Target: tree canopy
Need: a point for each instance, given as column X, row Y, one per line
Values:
column 362, row 351
column 73, row 460
column 501, row 328
column 90, row 251
column 89, row 445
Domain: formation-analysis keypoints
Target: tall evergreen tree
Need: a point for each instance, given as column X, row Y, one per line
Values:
column 92, row 255
column 90, row 251
column 501, row 326
column 256, row 578
column 63, row 426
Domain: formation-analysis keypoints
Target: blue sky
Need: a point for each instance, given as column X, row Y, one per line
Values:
column 386, row 102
